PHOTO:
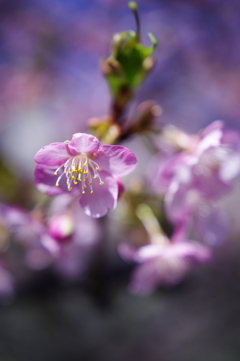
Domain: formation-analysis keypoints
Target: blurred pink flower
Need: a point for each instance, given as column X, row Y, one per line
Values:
column 85, row 168
column 196, row 178
column 62, row 239
column 165, row 263
column 210, row 165
column 27, row 231
column 71, row 237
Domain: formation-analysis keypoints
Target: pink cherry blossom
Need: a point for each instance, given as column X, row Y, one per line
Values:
column 165, row 263
column 86, row 169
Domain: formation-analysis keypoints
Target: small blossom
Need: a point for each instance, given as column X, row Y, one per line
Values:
column 86, row 169
column 166, row 263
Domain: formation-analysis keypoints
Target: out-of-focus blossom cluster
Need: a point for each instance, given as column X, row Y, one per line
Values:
column 196, row 173
column 192, row 173
column 60, row 239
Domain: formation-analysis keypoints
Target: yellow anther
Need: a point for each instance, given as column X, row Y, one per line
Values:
column 84, row 186
column 91, row 192
column 97, row 168
column 90, row 184
column 83, row 192
column 95, row 177
column 70, row 188
column 84, row 180
column 73, row 177
column 84, row 164
column 75, row 182
column 101, row 183
column 57, row 185
column 55, row 173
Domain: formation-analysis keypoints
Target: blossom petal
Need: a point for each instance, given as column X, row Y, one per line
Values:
column 104, row 197
column 231, row 168
column 83, row 143
column 192, row 252
column 216, row 125
column 145, row 278
column 54, row 154
column 116, row 159
column 211, row 139
column 179, row 201
column 127, row 251
column 179, row 234
column 231, row 138
column 45, row 181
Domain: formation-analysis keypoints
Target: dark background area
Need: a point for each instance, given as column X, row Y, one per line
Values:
column 197, row 320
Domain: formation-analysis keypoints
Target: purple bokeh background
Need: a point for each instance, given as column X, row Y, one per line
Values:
column 50, row 53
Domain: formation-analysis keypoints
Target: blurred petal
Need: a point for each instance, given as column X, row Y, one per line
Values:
column 231, row 168
column 216, row 125
column 212, row 139
column 126, row 251
column 145, row 278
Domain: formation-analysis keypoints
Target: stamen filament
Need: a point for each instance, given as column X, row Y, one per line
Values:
column 58, row 180
column 79, row 169
column 57, row 170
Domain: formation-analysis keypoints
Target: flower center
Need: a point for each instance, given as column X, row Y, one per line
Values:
column 79, row 170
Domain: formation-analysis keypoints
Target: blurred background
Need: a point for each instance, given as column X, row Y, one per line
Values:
column 50, row 85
